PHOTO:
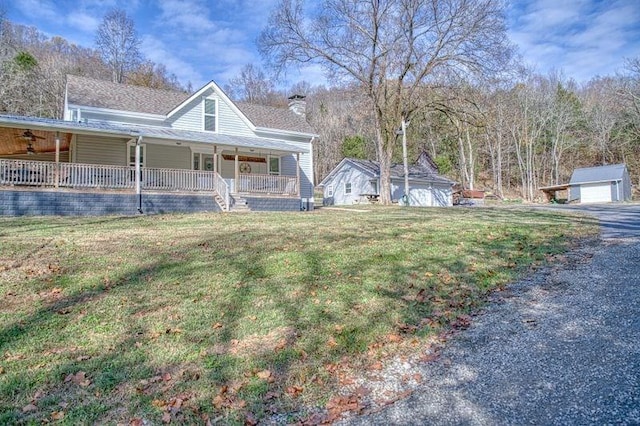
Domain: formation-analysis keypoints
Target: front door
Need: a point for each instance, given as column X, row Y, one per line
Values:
column 207, row 161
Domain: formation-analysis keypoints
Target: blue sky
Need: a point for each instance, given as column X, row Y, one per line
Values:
column 211, row 40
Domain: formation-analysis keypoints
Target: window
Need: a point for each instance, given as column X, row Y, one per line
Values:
column 330, row 191
column 202, row 161
column 274, row 165
column 374, row 186
column 347, row 188
column 210, row 115
column 131, row 149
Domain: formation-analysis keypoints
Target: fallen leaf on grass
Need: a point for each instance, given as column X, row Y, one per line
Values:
column 57, row 415
column 166, row 377
column 342, row 404
column 394, row 338
column 29, row 408
column 135, row 422
column 80, row 378
column 376, row 366
column 250, row 419
column 166, row 417
column 217, row 325
column 294, row 391
column 264, row 374
column 227, row 399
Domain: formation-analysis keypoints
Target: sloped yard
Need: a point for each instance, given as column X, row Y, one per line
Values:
column 231, row 318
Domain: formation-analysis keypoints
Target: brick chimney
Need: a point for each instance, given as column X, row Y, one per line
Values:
column 298, row 105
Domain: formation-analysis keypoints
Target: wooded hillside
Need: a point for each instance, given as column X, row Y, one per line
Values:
column 509, row 135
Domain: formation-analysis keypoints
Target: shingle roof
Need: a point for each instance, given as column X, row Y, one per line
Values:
column 397, row 171
column 124, row 97
column 598, row 174
column 274, row 118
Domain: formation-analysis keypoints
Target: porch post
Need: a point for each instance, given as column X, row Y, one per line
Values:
column 137, row 166
column 237, row 172
column 215, row 159
column 298, row 174
column 57, row 168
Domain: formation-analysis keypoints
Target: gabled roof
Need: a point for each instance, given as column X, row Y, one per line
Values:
column 612, row 172
column 372, row 168
column 274, row 118
column 125, row 97
column 121, row 97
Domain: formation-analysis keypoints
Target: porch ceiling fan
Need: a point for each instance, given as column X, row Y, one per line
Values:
column 28, row 135
column 30, row 138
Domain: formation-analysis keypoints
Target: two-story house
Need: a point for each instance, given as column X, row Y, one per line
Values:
column 123, row 149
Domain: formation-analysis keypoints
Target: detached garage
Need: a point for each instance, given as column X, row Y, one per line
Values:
column 356, row 181
column 604, row 184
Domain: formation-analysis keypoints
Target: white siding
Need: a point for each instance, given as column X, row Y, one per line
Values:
column 101, row 150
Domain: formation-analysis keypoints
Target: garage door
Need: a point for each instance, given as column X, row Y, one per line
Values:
column 595, row 193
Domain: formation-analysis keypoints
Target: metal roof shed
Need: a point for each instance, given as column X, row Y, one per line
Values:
column 603, row 184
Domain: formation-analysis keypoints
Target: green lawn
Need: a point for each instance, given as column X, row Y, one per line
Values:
column 223, row 316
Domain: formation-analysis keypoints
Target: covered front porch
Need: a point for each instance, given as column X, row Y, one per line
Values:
column 122, row 160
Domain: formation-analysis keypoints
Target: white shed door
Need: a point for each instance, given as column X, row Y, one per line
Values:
column 595, row 193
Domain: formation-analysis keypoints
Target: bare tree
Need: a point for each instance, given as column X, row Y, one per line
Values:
column 118, row 44
column 390, row 48
column 602, row 109
column 253, row 86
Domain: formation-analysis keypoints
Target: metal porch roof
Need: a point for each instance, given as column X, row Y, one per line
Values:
column 96, row 127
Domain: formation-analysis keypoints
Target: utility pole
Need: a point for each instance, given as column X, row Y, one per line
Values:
column 404, row 159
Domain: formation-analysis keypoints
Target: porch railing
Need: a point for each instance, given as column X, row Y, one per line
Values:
column 95, row 176
column 267, row 184
column 178, row 179
column 24, row 172
column 75, row 175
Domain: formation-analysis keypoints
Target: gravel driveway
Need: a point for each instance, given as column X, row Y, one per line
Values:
column 560, row 347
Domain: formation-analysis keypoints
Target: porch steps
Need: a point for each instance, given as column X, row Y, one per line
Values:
column 238, row 204
column 220, row 201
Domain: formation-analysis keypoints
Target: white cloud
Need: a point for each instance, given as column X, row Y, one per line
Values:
column 585, row 38
column 83, row 21
column 38, row 9
column 158, row 52
column 188, row 15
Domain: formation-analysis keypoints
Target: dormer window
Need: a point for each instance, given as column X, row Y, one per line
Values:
column 210, row 115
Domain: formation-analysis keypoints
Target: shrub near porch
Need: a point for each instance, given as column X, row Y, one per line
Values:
column 232, row 317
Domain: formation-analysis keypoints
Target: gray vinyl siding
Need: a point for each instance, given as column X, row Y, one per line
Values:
column 167, row 156
column 101, row 150
column 360, row 184
column 190, row 118
column 288, row 164
column 574, row 193
column 229, row 123
column 626, row 186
